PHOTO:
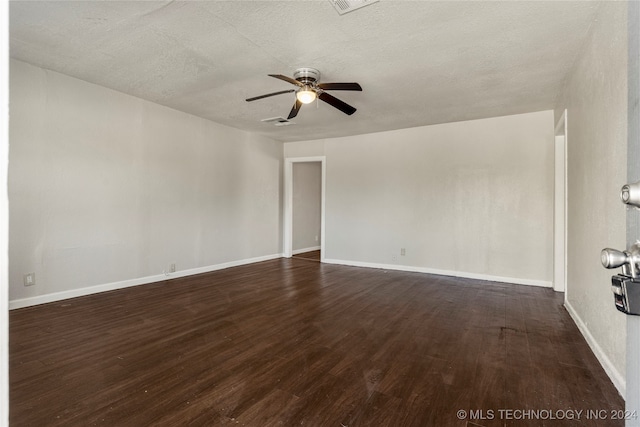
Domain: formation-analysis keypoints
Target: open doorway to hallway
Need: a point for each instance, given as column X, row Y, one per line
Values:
column 307, row 212
column 304, row 208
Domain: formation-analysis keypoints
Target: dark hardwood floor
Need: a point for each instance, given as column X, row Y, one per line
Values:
column 311, row 255
column 292, row 342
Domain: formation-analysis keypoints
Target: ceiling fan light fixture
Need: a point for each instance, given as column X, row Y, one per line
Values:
column 306, row 95
column 308, row 90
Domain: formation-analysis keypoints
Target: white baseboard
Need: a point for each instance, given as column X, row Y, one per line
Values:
column 463, row 274
column 301, row 251
column 618, row 379
column 72, row 293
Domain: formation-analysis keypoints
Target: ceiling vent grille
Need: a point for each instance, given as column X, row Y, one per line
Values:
column 278, row 121
column 345, row 6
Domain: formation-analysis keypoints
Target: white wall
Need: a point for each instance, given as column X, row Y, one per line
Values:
column 105, row 187
column 595, row 95
column 307, row 196
column 469, row 198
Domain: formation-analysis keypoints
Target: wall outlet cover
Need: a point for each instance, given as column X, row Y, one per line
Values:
column 30, row 279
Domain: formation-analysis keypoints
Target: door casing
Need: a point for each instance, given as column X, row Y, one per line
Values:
column 287, row 238
column 632, row 381
column 560, row 208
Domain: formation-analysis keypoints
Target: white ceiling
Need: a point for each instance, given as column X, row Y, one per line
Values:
column 419, row 62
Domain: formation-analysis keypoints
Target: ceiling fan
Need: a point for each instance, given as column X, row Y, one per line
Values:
column 308, row 89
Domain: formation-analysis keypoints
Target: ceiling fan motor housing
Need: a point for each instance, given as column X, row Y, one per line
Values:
column 307, row 76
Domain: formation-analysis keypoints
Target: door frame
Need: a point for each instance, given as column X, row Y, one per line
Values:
column 632, row 374
column 4, row 217
column 287, row 238
column 560, row 207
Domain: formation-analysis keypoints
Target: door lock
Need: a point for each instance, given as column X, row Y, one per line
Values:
column 630, row 194
column 625, row 286
column 626, row 294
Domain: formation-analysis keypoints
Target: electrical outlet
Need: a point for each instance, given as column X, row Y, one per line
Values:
column 172, row 268
column 316, row 238
column 30, row 279
column 403, row 252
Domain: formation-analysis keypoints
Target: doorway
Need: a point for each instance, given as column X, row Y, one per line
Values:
column 304, row 200
column 307, row 191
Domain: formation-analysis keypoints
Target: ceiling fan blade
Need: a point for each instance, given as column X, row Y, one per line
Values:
column 340, row 86
column 335, row 102
column 295, row 109
column 270, row 94
column 286, row 79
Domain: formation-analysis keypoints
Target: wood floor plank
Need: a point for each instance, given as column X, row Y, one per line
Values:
column 293, row 342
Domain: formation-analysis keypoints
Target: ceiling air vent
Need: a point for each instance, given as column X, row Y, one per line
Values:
column 278, row 121
column 345, row 6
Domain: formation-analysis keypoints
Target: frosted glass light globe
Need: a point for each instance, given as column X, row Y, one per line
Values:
column 306, row 95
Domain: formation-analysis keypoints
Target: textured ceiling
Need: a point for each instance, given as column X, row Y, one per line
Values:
column 419, row 62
